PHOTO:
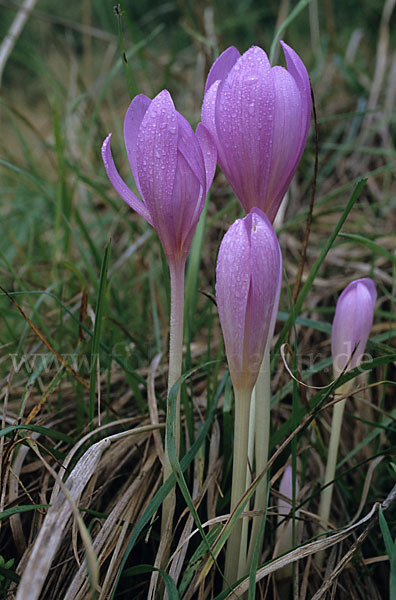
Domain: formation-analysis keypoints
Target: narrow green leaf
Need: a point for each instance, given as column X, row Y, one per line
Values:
column 57, row 435
column 20, row 509
column 390, row 546
column 370, row 244
column 97, row 331
column 169, row 583
column 293, row 14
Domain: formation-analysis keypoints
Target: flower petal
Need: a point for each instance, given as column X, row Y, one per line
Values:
column 209, row 152
column 266, row 270
column 245, row 105
column 286, row 489
column 188, row 145
column 222, row 66
column 208, row 116
column 297, row 70
column 232, row 292
column 133, row 119
column 156, row 157
column 119, row 185
column 187, row 204
column 286, row 144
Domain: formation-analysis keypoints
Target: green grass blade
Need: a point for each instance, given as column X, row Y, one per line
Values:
column 171, row 588
column 360, row 239
column 97, row 332
column 20, row 509
column 296, row 11
column 390, row 546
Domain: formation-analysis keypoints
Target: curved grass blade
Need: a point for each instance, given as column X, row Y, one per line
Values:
column 296, row 11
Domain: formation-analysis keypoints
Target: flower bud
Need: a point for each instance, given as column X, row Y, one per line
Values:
column 352, row 324
column 248, row 279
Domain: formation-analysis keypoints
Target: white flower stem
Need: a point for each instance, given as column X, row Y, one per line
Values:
column 239, row 469
column 262, row 393
column 176, row 270
column 327, row 493
column 242, row 569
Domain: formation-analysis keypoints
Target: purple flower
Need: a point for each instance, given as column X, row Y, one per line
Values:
column 286, row 490
column 284, row 533
column 172, row 166
column 248, row 279
column 352, row 323
column 259, row 117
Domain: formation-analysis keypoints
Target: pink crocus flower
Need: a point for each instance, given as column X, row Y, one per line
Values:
column 172, row 166
column 284, row 533
column 352, row 324
column 259, row 118
column 286, row 491
column 248, row 279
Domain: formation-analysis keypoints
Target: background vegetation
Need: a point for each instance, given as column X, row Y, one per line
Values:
column 85, row 294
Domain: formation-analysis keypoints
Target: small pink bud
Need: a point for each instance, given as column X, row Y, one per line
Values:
column 352, row 324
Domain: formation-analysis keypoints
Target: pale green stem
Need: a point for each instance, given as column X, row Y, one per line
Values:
column 262, row 393
column 245, row 522
column 176, row 271
column 327, row 493
column 239, row 468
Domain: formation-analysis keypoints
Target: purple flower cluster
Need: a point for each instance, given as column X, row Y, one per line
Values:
column 255, row 121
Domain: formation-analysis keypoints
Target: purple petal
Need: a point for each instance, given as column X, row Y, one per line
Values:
column 188, row 145
column 156, row 157
column 247, row 289
column 286, row 489
column 187, row 204
column 297, row 70
column 133, row 119
column 208, row 115
column 222, row 66
column 119, row 185
column 245, row 105
column 209, row 152
column 232, row 292
column 266, row 270
column 352, row 324
column 286, row 144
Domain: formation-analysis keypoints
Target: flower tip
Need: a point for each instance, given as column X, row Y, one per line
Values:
column 105, row 146
column 164, row 97
column 370, row 286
